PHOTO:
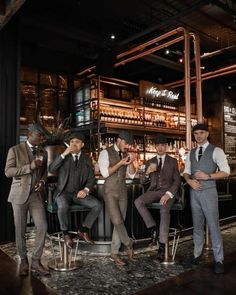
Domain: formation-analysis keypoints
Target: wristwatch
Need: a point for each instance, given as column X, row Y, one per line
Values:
column 209, row 175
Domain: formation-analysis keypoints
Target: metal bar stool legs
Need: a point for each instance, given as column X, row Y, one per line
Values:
column 67, row 260
column 170, row 258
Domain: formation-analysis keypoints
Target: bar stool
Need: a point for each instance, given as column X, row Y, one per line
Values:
column 178, row 206
column 67, row 260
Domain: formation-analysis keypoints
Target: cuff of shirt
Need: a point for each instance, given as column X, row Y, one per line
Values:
column 170, row 194
column 87, row 189
column 63, row 157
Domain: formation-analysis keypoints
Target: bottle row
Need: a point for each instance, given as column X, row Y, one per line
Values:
column 138, row 117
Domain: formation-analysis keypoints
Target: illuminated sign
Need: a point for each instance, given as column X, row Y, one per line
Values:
column 155, row 92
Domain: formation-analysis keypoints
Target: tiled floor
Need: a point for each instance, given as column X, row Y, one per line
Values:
column 99, row 275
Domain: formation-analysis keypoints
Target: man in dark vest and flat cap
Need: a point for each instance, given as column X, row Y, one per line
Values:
column 75, row 181
column 115, row 163
column 203, row 166
column 27, row 165
column 162, row 176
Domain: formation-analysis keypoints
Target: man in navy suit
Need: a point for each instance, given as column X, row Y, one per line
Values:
column 162, row 176
column 75, row 182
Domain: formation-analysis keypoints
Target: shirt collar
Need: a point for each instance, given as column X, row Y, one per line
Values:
column 30, row 145
column 116, row 148
column 162, row 157
column 74, row 154
column 204, row 146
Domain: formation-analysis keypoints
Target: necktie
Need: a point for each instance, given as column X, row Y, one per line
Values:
column 120, row 154
column 160, row 164
column 200, row 153
column 34, row 150
column 76, row 160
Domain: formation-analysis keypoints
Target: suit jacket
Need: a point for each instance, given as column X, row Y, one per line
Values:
column 62, row 166
column 169, row 176
column 18, row 167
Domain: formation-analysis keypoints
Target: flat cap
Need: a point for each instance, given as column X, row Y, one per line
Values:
column 161, row 139
column 77, row 135
column 200, row 126
column 35, row 127
column 127, row 136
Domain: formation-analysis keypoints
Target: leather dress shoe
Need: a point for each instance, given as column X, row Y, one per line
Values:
column 118, row 261
column 130, row 250
column 219, row 268
column 24, row 269
column 190, row 261
column 85, row 236
column 68, row 241
column 39, row 269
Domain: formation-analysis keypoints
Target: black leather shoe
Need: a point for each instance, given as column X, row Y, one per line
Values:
column 190, row 261
column 219, row 268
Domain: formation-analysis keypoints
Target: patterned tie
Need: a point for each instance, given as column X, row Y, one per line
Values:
column 34, row 150
column 200, row 153
column 160, row 164
column 76, row 160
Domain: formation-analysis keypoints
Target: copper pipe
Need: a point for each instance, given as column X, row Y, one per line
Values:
column 149, row 51
column 187, row 91
column 197, row 57
column 159, row 38
column 205, row 76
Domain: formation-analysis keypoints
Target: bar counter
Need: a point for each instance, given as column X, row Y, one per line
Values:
column 102, row 229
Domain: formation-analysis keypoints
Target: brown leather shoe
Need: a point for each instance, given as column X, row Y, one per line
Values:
column 39, row 269
column 130, row 250
column 118, row 261
column 85, row 236
column 24, row 269
column 68, row 241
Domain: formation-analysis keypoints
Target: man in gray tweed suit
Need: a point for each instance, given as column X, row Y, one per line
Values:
column 204, row 165
column 27, row 165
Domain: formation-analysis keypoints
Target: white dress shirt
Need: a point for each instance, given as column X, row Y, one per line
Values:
column 103, row 163
column 218, row 157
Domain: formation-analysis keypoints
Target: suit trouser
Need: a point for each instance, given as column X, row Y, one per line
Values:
column 36, row 209
column 148, row 198
column 116, row 206
column 204, row 205
column 65, row 199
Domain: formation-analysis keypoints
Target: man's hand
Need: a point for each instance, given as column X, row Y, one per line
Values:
column 201, row 175
column 195, row 184
column 151, row 168
column 69, row 150
column 35, row 164
column 164, row 199
column 82, row 194
column 39, row 186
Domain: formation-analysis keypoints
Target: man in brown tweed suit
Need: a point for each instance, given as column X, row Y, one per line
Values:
column 27, row 165
column 162, row 176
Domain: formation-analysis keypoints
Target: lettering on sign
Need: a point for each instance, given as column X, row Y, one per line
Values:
column 155, row 92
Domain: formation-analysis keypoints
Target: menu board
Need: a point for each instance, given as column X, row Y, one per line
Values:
column 230, row 132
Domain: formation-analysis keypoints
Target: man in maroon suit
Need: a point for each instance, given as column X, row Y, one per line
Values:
column 162, row 176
